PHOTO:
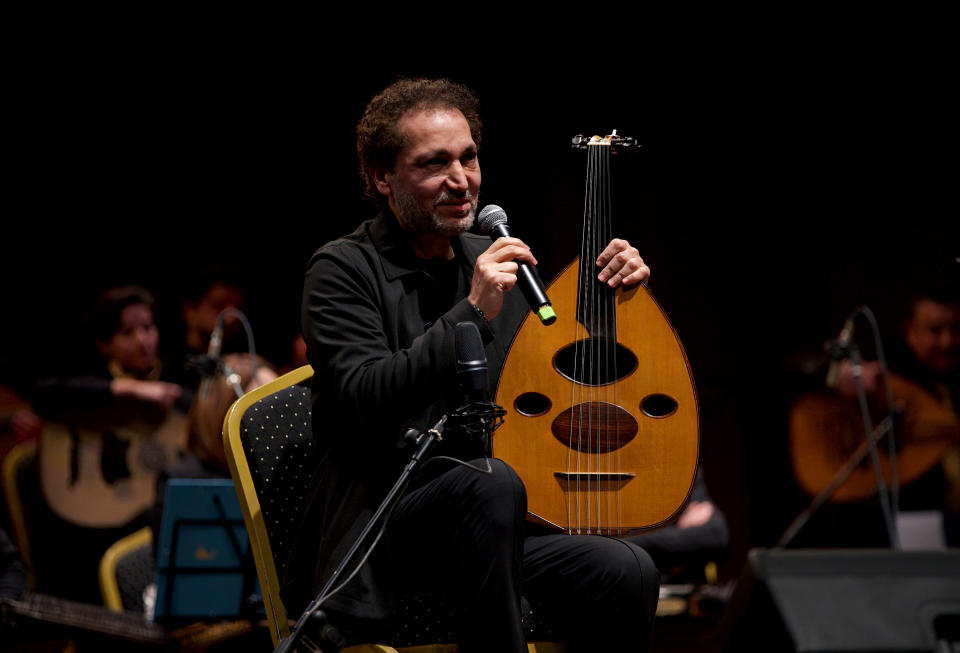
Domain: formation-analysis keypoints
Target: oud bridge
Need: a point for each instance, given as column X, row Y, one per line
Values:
column 594, row 477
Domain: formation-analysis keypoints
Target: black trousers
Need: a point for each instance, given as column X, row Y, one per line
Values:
column 465, row 533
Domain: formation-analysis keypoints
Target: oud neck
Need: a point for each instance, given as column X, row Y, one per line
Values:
column 595, row 300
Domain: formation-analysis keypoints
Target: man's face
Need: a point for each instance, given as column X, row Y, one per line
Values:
column 202, row 315
column 933, row 335
column 435, row 181
column 134, row 345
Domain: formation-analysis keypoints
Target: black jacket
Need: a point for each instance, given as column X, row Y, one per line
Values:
column 379, row 325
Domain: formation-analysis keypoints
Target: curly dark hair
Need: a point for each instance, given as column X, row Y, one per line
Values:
column 379, row 137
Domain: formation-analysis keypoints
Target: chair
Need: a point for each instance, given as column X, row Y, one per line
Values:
column 239, row 443
column 272, row 427
column 19, row 465
column 125, row 571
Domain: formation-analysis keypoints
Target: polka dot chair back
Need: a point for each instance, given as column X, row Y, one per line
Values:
column 278, row 441
column 268, row 438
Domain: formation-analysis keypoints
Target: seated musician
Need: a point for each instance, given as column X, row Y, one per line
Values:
column 101, row 498
column 379, row 310
column 208, row 292
column 927, row 353
column 826, row 428
column 127, row 339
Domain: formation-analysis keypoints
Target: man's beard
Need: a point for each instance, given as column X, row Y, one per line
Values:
column 413, row 217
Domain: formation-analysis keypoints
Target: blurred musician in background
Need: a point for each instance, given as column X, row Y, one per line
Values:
column 926, row 353
column 108, row 427
column 827, row 427
column 127, row 339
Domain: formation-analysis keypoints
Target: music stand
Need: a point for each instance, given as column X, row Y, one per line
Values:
column 204, row 565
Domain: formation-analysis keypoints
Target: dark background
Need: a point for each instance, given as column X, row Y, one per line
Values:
column 780, row 183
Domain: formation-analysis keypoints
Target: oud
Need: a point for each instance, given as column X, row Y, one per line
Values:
column 602, row 419
column 827, row 433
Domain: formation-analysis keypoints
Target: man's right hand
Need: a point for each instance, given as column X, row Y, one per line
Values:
column 495, row 273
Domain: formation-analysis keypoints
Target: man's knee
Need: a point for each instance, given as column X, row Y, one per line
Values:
column 501, row 484
column 498, row 495
column 598, row 592
column 625, row 575
column 641, row 579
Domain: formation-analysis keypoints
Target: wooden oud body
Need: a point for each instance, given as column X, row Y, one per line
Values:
column 639, row 475
column 88, row 483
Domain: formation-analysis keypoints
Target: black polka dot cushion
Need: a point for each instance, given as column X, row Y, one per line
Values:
column 134, row 571
column 278, row 441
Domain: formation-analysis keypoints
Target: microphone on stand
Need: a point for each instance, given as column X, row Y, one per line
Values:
column 838, row 350
column 478, row 417
column 213, row 357
column 471, row 361
column 493, row 221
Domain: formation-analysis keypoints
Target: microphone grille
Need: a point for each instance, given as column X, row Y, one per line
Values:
column 471, row 357
column 490, row 216
column 468, row 343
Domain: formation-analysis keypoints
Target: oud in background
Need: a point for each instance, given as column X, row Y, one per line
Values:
column 379, row 310
column 924, row 359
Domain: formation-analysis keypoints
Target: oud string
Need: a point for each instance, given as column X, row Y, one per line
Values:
column 591, row 388
column 588, row 340
column 595, row 353
column 594, row 433
column 604, row 365
column 612, row 308
column 590, row 381
column 600, row 342
column 602, row 292
column 573, row 503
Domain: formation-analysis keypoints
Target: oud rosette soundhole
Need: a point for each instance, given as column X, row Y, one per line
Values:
column 595, row 361
column 658, row 406
column 594, row 427
column 532, row 404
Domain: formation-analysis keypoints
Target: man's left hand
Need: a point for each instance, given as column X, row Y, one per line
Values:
column 621, row 264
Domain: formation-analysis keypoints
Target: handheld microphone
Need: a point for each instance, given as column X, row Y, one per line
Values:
column 493, row 221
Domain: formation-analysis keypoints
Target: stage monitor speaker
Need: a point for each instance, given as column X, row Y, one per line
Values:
column 845, row 600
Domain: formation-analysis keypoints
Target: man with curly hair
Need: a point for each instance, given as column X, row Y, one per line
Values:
column 379, row 310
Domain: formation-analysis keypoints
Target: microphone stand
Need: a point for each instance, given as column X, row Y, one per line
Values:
column 869, row 447
column 838, row 479
column 313, row 615
column 888, row 520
